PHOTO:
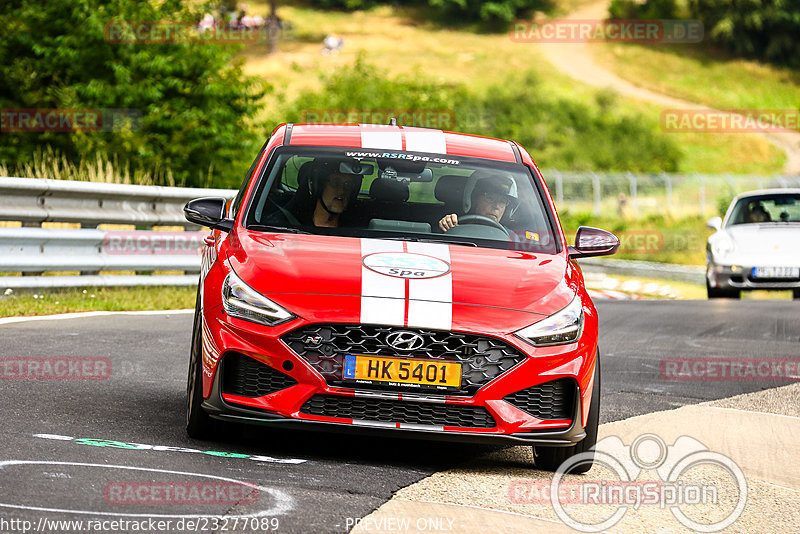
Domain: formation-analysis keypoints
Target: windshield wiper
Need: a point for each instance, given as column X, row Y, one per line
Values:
column 432, row 240
column 448, row 241
column 268, row 228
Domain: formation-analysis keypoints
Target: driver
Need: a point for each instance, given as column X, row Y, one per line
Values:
column 757, row 213
column 492, row 196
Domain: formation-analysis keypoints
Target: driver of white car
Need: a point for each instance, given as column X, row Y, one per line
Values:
column 487, row 194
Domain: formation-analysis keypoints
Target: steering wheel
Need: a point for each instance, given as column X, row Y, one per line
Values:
column 480, row 219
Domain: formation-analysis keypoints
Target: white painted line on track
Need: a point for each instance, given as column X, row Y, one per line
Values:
column 79, row 315
column 777, row 485
column 283, row 502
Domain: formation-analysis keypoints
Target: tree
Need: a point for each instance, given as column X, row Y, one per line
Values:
column 761, row 29
column 191, row 105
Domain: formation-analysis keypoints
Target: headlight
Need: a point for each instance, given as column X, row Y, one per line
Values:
column 244, row 302
column 562, row 327
column 722, row 247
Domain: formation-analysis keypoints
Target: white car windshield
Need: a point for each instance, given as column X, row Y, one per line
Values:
column 403, row 195
column 773, row 208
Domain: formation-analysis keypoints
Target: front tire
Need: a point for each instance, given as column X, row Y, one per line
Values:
column 796, row 294
column 722, row 293
column 199, row 424
column 550, row 458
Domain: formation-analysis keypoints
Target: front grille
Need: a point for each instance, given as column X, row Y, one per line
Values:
column 390, row 411
column 551, row 400
column 482, row 358
column 248, row 377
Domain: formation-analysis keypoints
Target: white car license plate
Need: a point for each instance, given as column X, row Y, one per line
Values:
column 776, row 272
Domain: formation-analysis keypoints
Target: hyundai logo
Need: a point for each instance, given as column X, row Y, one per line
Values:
column 405, row 340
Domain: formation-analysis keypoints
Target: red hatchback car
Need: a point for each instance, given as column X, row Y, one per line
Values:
column 397, row 280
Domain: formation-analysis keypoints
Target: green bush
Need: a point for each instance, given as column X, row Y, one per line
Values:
column 189, row 102
column 564, row 133
column 455, row 11
column 760, row 29
column 651, row 9
column 559, row 132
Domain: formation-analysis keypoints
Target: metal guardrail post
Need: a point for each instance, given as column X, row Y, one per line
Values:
column 633, row 183
column 559, row 188
column 596, row 206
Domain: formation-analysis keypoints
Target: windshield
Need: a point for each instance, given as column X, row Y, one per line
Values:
column 402, row 195
column 777, row 208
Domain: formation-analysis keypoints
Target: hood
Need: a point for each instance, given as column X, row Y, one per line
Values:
column 764, row 244
column 399, row 281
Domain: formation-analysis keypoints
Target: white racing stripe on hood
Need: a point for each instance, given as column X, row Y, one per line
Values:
column 382, row 297
column 426, row 141
column 423, row 312
column 389, row 139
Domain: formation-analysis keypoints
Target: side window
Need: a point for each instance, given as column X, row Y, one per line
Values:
column 237, row 201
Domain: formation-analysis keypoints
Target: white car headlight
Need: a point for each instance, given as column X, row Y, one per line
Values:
column 564, row 326
column 722, row 247
column 244, row 302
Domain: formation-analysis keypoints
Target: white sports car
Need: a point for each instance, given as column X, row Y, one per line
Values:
column 756, row 245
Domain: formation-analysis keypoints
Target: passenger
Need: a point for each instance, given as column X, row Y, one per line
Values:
column 492, row 196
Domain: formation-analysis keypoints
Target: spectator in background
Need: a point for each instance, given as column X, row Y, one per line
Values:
column 331, row 45
column 207, row 23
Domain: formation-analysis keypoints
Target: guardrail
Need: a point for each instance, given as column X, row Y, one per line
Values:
column 32, row 250
column 34, row 201
column 648, row 269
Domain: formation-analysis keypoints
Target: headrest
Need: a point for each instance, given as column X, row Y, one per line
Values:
column 450, row 189
column 389, row 190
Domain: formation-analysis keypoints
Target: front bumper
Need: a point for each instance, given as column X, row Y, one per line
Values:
column 218, row 408
column 298, row 383
column 739, row 276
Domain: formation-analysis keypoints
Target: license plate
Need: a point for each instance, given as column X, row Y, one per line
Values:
column 776, row 272
column 402, row 372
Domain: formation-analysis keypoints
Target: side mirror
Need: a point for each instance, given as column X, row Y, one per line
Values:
column 208, row 211
column 593, row 242
column 715, row 223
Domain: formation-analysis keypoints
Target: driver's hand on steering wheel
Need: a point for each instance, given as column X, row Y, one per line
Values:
column 448, row 221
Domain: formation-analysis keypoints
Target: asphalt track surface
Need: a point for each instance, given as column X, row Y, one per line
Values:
column 87, row 436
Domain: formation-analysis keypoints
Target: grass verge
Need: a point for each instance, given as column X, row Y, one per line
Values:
column 727, row 83
column 45, row 302
column 406, row 48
